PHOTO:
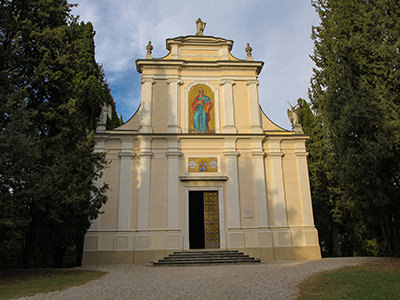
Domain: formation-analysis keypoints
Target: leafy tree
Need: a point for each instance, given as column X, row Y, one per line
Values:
column 51, row 93
column 356, row 90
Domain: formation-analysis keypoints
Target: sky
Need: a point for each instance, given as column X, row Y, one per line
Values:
column 278, row 31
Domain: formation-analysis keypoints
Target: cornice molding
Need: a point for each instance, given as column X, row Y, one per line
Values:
column 258, row 153
column 192, row 64
column 146, row 80
column 174, row 154
column 256, row 82
column 231, row 153
column 227, row 81
column 275, row 154
column 203, row 178
column 126, row 154
column 145, row 154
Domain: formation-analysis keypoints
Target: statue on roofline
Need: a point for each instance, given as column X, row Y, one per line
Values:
column 294, row 119
column 149, row 48
column 200, row 25
column 293, row 115
column 106, row 113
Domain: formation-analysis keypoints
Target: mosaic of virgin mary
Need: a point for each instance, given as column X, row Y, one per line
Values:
column 201, row 107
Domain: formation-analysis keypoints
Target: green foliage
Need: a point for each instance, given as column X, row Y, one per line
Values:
column 22, row 283
column 375, row 280
column 51, row 94
column 356, row 91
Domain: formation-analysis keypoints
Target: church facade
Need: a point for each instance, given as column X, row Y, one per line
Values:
column 200, row 166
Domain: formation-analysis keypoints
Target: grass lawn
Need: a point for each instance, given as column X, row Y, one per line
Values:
column 19, row 283
column 379, row 279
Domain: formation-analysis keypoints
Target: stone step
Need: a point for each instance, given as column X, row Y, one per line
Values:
column 207, row 251
column 205, row 262
column 209, row 255
column 206, row 257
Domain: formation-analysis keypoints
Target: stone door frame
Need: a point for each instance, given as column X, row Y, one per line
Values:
column 222, row 228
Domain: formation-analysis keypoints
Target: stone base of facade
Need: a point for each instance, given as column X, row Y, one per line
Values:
column 103, row 248
column 107, row 257
column 147, row 256
column 144, row 257
column 284, row 253
column 91, row 258
column 297, row 253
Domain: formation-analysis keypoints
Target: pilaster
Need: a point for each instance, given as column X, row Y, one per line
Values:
column 304, row 183
column 144, row 183
column 174, row 156
column 125, row 185
column 229, row 115
column 98, row 148
column 277, row 184
column 260, row 183
column 255, row 113
column 146, row 106
column 173, row 111
column 231, row 164
column 99, row 145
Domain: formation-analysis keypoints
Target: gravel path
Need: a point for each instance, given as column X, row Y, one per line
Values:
column 274, row 280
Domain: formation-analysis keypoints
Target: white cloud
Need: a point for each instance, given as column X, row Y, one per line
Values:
column 278, row 31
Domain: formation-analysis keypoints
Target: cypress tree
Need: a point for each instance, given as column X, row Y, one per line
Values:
column 356, row 89
column 332, row 224
column 52, row 91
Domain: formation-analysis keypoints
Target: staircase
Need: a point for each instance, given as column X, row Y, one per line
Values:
column 206, row 257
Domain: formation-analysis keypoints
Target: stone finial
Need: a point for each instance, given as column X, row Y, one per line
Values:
column 149, row 49
column 248, row 51
column 294, row 119
column 200, row 25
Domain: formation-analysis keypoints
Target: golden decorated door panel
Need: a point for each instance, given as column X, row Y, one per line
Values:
column 211, row 220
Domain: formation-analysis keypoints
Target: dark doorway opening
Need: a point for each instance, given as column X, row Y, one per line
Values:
column 203, row 220
column 196, row 220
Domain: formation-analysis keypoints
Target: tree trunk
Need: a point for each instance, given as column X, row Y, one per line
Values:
column 335, row 250
column 58, row 256
column 27, row 251
column 79, row 242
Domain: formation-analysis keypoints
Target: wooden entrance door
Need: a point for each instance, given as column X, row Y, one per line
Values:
column 211, row 220
column 203, row 220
